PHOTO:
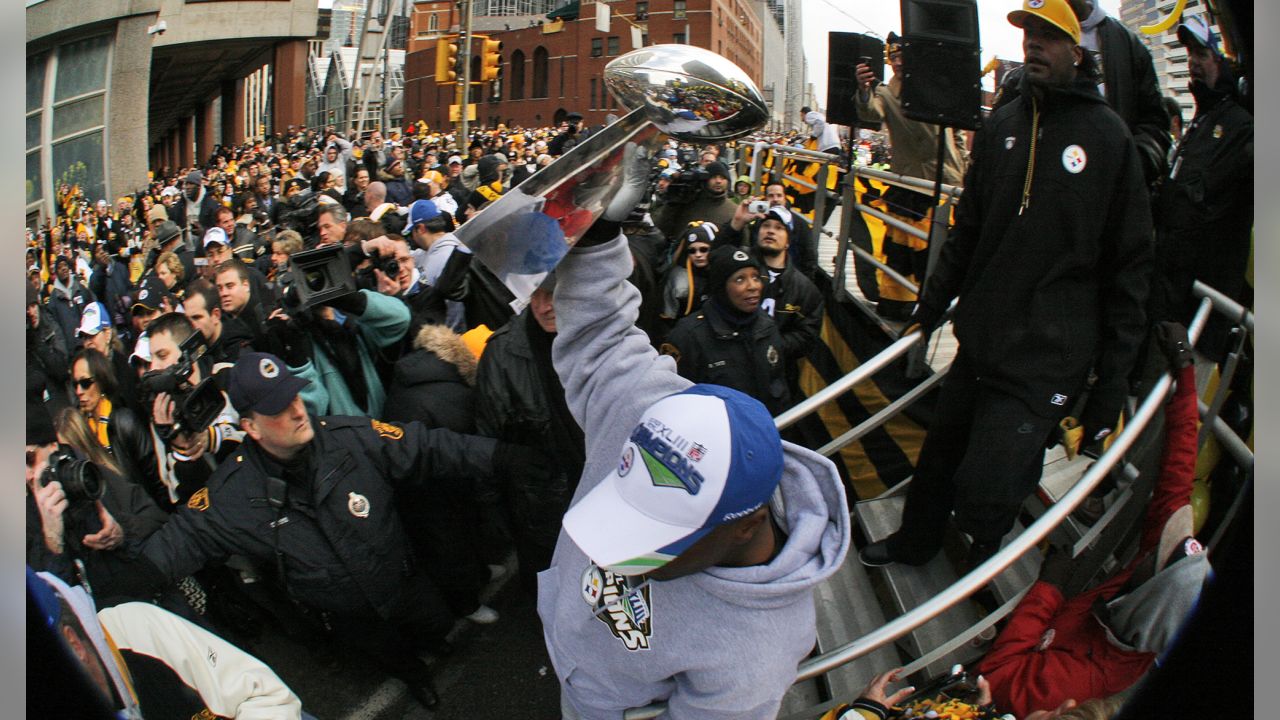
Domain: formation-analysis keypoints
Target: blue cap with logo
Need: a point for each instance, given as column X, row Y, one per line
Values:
column 261, row 383
column 422, row 211
column 698, row 459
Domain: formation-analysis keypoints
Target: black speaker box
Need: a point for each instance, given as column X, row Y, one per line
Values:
column 844, row 51
column 942, row 70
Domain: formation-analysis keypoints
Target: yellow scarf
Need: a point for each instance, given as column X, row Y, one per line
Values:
column 98, row 421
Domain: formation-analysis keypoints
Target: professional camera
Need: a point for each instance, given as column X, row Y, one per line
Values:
column 80, row 478
column 82, row 483
column 301, row 213
column 364, row 277
column 686, row 186
column 316, row 277
column 195, row 407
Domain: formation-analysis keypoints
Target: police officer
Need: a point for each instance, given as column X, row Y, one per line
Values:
column 316, row 500
column 729, row 341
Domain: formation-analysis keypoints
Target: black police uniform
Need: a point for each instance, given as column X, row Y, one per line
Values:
column 708, row 348
column 332, row 530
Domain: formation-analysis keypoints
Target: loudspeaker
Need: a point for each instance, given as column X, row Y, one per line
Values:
column 844, row 51
column 942, row 71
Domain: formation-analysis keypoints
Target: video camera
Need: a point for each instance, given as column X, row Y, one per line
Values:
column 301, row 213
column 316, row 277
column 687, row 185
column 195, row 407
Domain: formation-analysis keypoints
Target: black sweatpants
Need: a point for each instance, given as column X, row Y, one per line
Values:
column 982, row 457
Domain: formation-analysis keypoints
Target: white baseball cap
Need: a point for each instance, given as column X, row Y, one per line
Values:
column 698, row 459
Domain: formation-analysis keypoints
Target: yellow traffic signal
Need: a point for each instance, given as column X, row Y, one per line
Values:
column 447, row 60
column 490, row 58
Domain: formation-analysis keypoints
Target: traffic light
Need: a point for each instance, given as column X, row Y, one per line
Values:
column 490, row 58
column 447, row 60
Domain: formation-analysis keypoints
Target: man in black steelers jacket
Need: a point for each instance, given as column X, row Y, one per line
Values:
column 1050, row 257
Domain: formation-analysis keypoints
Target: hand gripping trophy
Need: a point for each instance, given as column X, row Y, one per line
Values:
column 680, row 91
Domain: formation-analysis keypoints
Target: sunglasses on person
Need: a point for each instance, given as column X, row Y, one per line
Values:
column 699, row 250
column 84, row 383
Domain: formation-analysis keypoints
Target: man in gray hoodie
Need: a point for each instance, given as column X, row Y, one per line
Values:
column 686, row 568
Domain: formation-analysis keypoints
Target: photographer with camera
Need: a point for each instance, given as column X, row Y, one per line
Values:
column 193, row 426
column 329, row 333
column 85, row 511
column 436, row 295
column 695, row 194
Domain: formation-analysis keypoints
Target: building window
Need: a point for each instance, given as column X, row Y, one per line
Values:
column 597, row 47
column 433, row 22
column 615, row 46
column 517, row 75
column 678, row 38
column 642, row 10
column 65, row 123
column 679, row 12
column 593, row 105
column 540, row 72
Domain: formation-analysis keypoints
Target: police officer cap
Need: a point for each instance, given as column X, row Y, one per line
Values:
column 261, row 383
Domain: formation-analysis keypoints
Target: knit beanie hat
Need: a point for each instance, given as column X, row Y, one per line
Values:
column 725, row 261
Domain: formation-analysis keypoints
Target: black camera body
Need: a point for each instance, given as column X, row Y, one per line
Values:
column 316, row 277
column 80, row 478
column 195, row 407
column 301, row 213
column 687, row 186
column 365, row 279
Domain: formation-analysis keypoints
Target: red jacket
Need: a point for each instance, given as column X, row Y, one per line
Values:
column 1053, row 648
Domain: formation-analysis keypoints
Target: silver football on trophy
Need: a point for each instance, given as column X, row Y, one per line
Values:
column 689, row 92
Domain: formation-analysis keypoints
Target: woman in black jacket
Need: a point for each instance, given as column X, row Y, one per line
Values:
column 116, row 427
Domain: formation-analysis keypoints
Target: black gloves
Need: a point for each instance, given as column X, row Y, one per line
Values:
column 287, row 341
column 510, row 459
column 1056, row 569
column 351, row 303
column 923, row 317
column 1175, row 344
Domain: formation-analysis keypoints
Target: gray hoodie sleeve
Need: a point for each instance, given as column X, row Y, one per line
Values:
column 610, row 372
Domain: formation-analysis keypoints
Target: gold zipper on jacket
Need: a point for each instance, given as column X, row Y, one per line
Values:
column 1031, row 158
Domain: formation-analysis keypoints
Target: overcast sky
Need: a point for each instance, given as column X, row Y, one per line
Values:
column 878, row 17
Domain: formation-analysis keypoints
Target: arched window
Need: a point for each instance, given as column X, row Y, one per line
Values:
column 540, row 72
column 517, row 75
column 433, row 23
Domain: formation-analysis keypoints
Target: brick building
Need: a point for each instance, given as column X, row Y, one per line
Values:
column 554, row 64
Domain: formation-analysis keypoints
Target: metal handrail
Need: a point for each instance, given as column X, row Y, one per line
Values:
column 952, row 191
column 1037, row 531
column 839, row 387
column 1226, row 305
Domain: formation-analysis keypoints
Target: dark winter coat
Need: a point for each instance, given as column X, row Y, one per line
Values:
column 514, row 404
column 433, row 384
column 1205, row 205
column 710, row 349
column 343, row 546
column 1053, row 284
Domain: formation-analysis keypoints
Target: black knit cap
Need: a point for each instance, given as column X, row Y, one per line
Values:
column 725, row 261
